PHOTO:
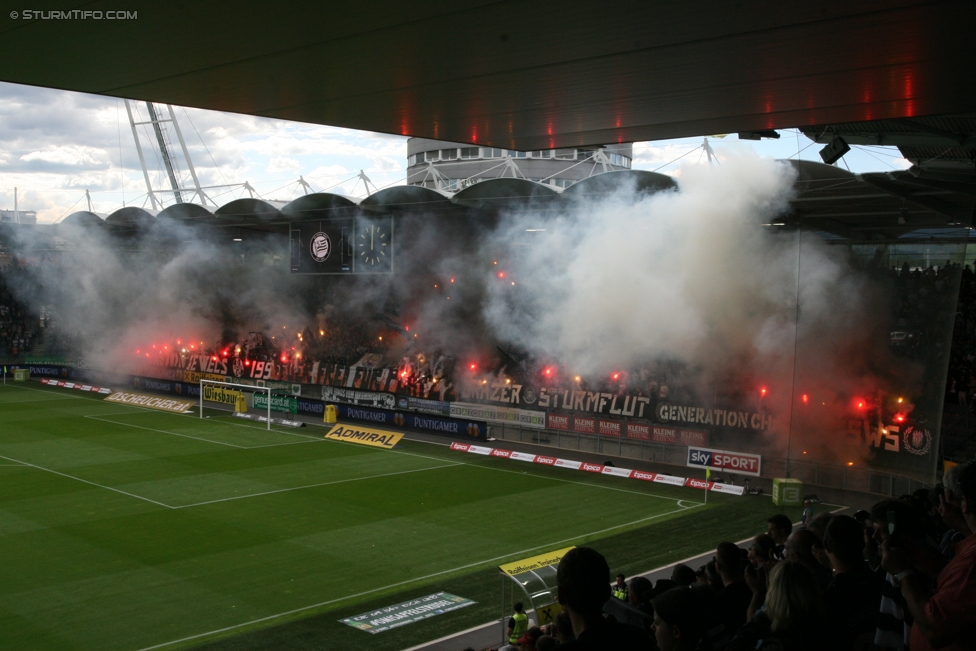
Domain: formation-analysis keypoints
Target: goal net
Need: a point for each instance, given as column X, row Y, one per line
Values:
column 229, row 393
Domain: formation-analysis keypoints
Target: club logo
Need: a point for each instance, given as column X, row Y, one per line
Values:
column 238, row 367
column 917, row 441
column 321, row 247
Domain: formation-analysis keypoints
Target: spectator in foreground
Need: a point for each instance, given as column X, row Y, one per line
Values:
column 799, row 548
column 853, row 595
column 562, row 628
column 528, row 639
column 794, row 616
column 732, row 601
column 779, row 529
column 682, row 575
column 679, row 620
column 583, row 580
column 945, row 617
column 546, row 643
column 950, row 507
column 639, row 594
column 897, row 518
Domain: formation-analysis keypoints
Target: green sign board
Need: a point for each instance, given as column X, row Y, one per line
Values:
column 408, row 612
column 787, row 492
column 288, row 404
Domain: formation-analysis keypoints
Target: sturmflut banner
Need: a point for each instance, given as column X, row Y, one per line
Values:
column 407, row 612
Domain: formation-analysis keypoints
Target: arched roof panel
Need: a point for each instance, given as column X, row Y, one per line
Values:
column 600, row 185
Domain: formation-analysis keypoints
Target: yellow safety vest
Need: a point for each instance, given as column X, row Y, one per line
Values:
column 521, row 626
column 619, row 592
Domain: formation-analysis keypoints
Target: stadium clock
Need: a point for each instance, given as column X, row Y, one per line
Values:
column 374, row 247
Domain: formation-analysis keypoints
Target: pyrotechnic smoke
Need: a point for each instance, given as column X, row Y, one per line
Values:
column 116, row 296
column 697, row 276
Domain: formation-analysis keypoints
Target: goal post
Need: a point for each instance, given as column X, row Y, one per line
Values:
column 234, row 390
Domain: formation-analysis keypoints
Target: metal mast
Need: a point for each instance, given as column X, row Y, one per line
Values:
column 164, row 152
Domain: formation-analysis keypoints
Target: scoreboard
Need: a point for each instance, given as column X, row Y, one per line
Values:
column 343, row 245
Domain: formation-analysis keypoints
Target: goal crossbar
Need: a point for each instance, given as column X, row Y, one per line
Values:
column 246, row 387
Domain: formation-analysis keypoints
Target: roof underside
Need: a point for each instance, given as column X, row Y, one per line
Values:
column 520, row 74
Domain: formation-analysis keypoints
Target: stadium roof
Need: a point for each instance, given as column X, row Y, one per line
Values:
column 523, row 75
column 865, row 207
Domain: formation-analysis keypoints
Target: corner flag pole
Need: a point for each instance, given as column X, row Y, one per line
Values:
column 708, row 475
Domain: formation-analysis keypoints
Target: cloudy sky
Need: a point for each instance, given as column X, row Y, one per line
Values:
column 55, row 145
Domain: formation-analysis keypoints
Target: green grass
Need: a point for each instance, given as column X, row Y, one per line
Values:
column 128, row 529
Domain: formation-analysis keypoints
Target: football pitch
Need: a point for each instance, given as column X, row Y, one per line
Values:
column 128, row 529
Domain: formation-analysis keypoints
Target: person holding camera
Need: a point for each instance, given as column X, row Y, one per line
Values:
column 944, row 616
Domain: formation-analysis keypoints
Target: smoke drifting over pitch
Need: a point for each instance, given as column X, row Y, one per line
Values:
column 694, row 276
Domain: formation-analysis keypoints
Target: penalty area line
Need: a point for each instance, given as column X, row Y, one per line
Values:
column 327, row 483
column 408, row 581
column 90, row 483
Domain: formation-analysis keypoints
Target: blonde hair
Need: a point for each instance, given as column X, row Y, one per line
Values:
column 793, row 598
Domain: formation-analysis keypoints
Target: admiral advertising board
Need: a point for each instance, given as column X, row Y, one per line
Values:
column 735, row 462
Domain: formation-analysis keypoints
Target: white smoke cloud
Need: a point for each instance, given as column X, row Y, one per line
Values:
column 670, row 274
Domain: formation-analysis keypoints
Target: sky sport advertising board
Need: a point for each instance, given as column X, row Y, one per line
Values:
column 734, row 462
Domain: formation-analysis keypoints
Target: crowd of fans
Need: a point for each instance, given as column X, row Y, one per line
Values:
column 19, row 327
column 961, row 381
column 900, row 577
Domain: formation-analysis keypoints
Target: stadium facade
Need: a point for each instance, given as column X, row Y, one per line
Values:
column 453, row 166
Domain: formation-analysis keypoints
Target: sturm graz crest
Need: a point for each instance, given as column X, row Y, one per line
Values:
column 238, row 367
column 917, row 440
column 321, row 247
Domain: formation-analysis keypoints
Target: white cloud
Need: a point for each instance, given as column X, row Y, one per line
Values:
column 283, row 164
column 68, row 155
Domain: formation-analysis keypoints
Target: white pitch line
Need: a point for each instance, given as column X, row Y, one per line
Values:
column 161, row 431
column 325, row 483
column 146, row 410
column 27, row 402
column 62, row 396
column 91, row 483
column 408, row 581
